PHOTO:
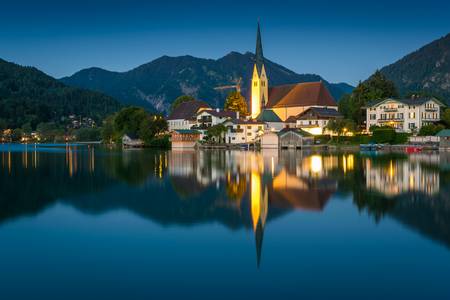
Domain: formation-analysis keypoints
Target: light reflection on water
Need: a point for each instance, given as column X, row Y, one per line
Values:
column 236, row 189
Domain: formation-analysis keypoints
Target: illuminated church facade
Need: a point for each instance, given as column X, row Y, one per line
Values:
column 286, row 101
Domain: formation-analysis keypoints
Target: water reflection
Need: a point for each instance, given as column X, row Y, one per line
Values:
column 237, row 189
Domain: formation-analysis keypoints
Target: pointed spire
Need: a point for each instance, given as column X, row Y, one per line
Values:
column 259, row 57
column 259, row 235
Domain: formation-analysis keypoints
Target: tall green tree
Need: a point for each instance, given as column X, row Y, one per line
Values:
column 236, row 102
column 446, row 117
column 377, row 87
column 179, row 100
column 133, row 120
column 340, row 126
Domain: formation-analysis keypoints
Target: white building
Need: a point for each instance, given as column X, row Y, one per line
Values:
column 314, row 119
column 405, row 115
column 184, row 115
column 211, row 117
column 243, row 131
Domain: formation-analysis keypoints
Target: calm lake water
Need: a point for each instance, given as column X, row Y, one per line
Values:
column 79, row 222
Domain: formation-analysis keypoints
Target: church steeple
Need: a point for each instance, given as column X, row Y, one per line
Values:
column 259, row 56
column 260, row 82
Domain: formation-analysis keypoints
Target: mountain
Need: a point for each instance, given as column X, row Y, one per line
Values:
column 156, row 84
column 427, row 69
column 28, row 95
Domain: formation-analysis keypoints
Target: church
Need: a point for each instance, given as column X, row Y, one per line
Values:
column 288, row 100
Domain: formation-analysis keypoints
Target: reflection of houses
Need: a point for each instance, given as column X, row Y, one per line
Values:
column 291, row 191
column 401, row 176
column 317, row 166
column 185, row 138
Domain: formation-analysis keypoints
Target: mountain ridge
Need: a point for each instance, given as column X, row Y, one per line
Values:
column 425, row 70
column 28, row 95
column 154, row 85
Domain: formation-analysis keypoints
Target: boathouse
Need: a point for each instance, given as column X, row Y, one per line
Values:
column 444, row 139
column 292, row 138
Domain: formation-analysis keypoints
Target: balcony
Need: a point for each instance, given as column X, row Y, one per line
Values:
column 432, row 109
column 391, row 109
column 390, row 120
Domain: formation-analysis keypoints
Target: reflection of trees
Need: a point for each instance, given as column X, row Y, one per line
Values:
column 134, row 167
column 236, row 186
column 29, row 187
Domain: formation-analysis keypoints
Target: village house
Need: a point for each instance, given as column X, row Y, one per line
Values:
column 444, row 139
column 269, row 140
column 211, row 117
column 184, row 115
column 243, row 131
column 271, row 119
column 130, row 140
column 314, row 120
column 405, row 115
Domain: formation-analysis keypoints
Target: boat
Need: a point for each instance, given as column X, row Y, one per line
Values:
column 413, row 149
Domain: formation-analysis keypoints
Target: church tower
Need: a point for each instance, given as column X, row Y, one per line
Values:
column 260, row 82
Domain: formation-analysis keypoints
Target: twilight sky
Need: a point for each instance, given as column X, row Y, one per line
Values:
column 339, row 40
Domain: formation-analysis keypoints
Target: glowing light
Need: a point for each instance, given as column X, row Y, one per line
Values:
column 316, row 164
column 255, row 198
column 344, row 164
column 273, row 166
column 391, row 169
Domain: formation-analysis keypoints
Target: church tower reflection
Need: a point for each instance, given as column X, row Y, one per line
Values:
column 259, row 210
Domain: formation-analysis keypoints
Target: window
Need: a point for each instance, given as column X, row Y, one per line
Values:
column 400, row 115
column 412, row 125
column 255, row 84
column 373, row 116
column 249, row 127
column 249, row 134
column 412, row 115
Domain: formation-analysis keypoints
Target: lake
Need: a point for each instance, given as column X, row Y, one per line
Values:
column 83, row 222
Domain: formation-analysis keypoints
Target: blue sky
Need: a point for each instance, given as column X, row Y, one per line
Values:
column 343, row 41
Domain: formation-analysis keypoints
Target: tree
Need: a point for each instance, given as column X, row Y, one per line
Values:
column 377, row 87
column 87, row 134
column 383, row 135
column 179, row 100
column 215, row 131
column 431, row 129
column 27, row 128
column 107, row 131
column 16, row 134
column 133, row 120
column 236, row 102
column 340, row 126
column 446, row 117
